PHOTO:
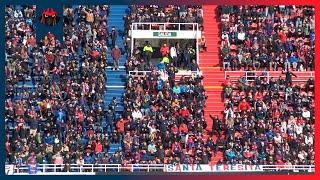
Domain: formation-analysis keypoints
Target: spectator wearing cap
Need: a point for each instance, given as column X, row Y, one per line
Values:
column 113, row 36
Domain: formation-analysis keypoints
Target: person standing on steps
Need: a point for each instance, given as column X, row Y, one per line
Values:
column 116, row 53
column 126, row 44
column 113, row 36
column 174, row 55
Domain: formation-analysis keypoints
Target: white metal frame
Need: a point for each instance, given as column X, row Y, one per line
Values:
column 54, row 169
column 195, row 27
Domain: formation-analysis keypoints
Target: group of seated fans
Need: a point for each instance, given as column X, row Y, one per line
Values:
column 55, row 90
column 268, row 37
column 269, row 121
column 164, row 14
column 55, row 111
column 163, row 119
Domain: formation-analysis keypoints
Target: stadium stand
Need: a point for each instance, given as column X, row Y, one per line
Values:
column 267, row 37
column 70, row 105
column 269, row 114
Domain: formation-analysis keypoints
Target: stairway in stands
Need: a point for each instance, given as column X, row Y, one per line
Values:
column 116, row 79
column 210, row 66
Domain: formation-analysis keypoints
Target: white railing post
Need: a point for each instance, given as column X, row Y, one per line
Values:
column 131, row 49
column 197, row 44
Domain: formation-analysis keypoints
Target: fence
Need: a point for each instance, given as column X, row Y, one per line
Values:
column 91, row 169
column 302, row 76
column 138, row 73
column 165, row 26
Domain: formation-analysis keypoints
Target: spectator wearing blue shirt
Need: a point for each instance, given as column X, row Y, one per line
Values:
column 49, row 139
column 161, row 66
column 294, row 60
column 176, row 89
column 88, row 159
column 160, row 84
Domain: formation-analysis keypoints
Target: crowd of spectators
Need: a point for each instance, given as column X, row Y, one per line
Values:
column 269, row 122
column 181, row 55
column 267, row 37
column 55, row 110
column 163, row 121
column 164, row 14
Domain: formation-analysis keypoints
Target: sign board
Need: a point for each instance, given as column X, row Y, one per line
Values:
column 212, row 168
column 165, row 34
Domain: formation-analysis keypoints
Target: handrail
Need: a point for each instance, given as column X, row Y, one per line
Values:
column 144, row 73
column 138, row 73
column 268, row 74
column 135, row 25
column 95, row 168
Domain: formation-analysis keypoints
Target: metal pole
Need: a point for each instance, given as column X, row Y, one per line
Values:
column 132, row 39
column 197, row 44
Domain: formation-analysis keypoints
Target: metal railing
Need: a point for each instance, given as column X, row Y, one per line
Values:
column 138, row 73
column 251, row 75
column 293, row 168
column 47, row 169
column 181, row 73
column 165, row 26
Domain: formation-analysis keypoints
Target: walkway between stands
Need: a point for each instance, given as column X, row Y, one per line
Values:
column 116, row 79
column 210, row 65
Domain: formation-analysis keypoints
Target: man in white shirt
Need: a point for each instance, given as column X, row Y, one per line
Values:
column 136, row 114
column 241, row 36
column 305, row 113
column 174, row 55
column 308, row 139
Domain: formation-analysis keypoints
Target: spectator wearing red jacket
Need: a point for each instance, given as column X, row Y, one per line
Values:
column 184, row 112
column 244, row 105
column 98, row 147
column 164, row 50
column 116, row 54
column 120, row 125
